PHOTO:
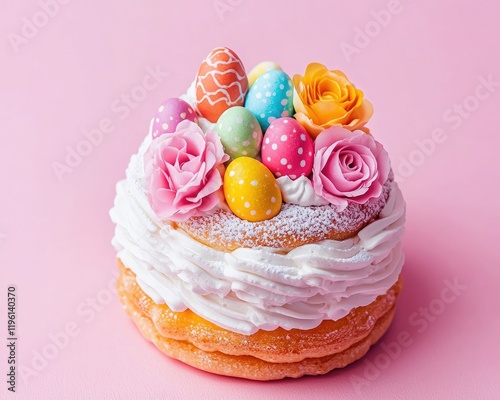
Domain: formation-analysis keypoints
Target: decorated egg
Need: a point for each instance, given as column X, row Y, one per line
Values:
column 221, row 83
column 251, row 191
column 239, row 132
column 270, row 97
column 169, row 114
column 287, row 149
column 259, row 69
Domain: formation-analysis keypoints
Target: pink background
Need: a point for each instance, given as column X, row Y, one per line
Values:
column 55, row 233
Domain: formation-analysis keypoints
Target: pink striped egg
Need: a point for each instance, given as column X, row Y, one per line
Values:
column 287, row 149
column 221, row 83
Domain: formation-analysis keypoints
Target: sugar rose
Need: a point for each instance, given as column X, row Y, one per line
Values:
column 348, row 167
column 325, row 98
column 182, row 171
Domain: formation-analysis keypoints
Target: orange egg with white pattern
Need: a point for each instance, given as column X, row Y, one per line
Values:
column 221, row 83
column 251, row 191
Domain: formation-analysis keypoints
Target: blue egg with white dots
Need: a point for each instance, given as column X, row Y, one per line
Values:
column 270, row 97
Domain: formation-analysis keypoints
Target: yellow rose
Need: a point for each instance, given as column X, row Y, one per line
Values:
column 324, row 98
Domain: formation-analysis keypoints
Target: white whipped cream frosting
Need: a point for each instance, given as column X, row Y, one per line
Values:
column 261, row 288
column 299, row 191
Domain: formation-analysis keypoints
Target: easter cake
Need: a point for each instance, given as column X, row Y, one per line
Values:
column 258, row 230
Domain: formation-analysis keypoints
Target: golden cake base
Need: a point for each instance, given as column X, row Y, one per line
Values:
column 265, row 355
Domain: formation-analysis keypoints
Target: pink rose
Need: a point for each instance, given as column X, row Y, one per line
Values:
column 182, row 176
column 348, row 166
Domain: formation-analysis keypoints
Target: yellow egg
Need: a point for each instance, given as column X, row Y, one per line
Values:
column 251, row 191
column 259, row 69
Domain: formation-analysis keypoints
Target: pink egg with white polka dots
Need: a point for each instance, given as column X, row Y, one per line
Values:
column 169, row 114
column 287, row 149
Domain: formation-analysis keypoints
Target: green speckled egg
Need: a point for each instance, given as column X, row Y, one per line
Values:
column 239, row 132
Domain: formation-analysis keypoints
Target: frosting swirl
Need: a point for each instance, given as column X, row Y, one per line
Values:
column 299, row 191
column 260, row 288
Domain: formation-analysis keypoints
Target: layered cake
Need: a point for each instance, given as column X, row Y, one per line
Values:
column 258, row 230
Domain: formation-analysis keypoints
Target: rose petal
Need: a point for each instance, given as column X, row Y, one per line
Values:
column 165, row 195
column 214, row 182
column 178, row 179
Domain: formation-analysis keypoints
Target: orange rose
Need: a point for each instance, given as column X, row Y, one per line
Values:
column 325, row 98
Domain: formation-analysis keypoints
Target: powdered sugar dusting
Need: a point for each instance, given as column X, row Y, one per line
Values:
column 294, row 224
